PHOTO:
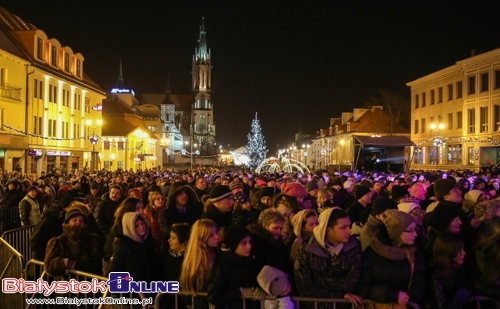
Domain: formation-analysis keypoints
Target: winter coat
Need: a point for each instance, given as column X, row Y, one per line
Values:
column 382, row 278
column 355, row 211
column 48, row 228
column 245, row 217
column 29, row 211
column 12, row 198
column 93, row 200
column 233, row 272
column 221, row 219
column 446, row 293
column 319, row 274
column 104, row 213
column 77, row 245
column 134, row 254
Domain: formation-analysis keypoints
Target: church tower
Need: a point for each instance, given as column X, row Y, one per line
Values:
column 203, row 126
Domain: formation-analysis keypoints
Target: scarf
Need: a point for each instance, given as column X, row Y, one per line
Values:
column 393, row 252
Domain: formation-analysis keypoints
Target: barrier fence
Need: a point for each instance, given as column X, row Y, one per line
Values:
column 11, row 266
column 9, row 219
column 20, row 239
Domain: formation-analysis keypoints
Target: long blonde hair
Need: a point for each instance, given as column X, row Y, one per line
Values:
column 199, row 258
column 150, row 207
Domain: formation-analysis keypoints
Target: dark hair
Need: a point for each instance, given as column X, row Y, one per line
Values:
column 491, row 254
column 127, row 205
column 308, row 214
column 335, row 216
column 444, row 251
column 182, row 231
column 115, row 186
column 94, row 186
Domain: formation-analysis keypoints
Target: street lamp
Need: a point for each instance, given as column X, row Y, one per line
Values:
column 94, row 139
column 142, row 135
column 165, row 143
column 438, row 142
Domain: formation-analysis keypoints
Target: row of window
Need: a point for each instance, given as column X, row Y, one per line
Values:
column 484, row 85
column 52, row 129
column 53, row 97
column 446, row 154
column 54, row 55
column 419, row 126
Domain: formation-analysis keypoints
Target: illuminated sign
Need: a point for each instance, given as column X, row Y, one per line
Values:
column 97, row 108
column 35, row 153
column 116, row 90
column 58, row 153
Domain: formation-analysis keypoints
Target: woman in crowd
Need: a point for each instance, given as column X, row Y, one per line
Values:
column 393, row 268
column 304, row 223
column 173, row 258
column 288, row 206
column 324, row 195
column 243, row 212
column 236, row 274
column 199, row 260
column 446, row 285
column 156, row 205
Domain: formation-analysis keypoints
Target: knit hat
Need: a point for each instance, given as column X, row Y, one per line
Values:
column 442, row 187
column 396, row 222
column 336, row 181
column 266, row 191
column 219, row 192
column 408, row 206
column 31, row 188
column 261, row 182
column 235, row 184
column 11, row 180
column 398, row 192
column 294, row 189
column 138, row 184
column 311, row 186
column 272, row 280
column 443, row 214
column 381, row 204
column 241, row 198
column 72, row 212
column 360, row 191
column 234, row 235
column 366, row 183
column 473, row 196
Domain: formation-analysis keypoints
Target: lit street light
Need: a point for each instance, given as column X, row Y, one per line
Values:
column 437, row 140
column 94, row 139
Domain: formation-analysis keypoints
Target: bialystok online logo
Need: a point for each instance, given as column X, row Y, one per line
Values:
column 118, row 282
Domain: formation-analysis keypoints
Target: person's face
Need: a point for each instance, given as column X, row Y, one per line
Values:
column 32, row 193
column 94, row 191
column 11, row 186
column 276, row 229
column 244, row 247
column 420, row 192
column 454, row 225
column 466, row 185
column 182, row 198
column 226, row 204
column 246, row 206
column 140, row 227
column 115, row 195
column 271, row 183
column 218, row 181
column 418, row 214
column 213, row 240
column 367, row 198
column 76, row 221
column 159, row 201
column 202, row 184
column 340, row 232
column 455, row 195
column 225, row 182
column 480, row 186
column 310, row 224
column 459, row 259
column 245, row 179
column 377, row 187
column 267, row 200
column 408, row 236
column 314, row 192
column 138, row 207
column 190, row 179
column 174, row 244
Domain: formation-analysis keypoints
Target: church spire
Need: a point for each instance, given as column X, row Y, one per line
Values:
column 168, row 92
column 120, row 82
column 202, row 51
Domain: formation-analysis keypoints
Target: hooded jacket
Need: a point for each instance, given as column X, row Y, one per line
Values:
column 297, row 222
column 104, row 213
column 320, row 274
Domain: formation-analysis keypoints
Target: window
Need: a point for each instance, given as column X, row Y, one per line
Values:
column 432, row 96
column 67, row 130
column 450, row 92
column 53, row 56
column 54, row 128
column 64, row 97
column 496, row 117
column 106, row 145
column 417, row 103
column 471, row 120
column 35, row 125
column 483, row 119
column 470, row 156
column 119, row 145
column 55, row 94
column 119, row 165
column 459, row 90
column 66, row 62
column 74, row 130
column 40, row 92
column 484, row 82
column 440, row 94
column 459, row 120
column 431, row 120
column 50, row 127
column 416, row 127
column 35, row 89
column 433, row 154
column 497, row 79
column 450, row 121
column 423, row 99
column 440, row 119
column 418, row 156
column 106, row 165
column 39, row 49
column 67, row 98
column 423, row 125
column 50, row 93
column 78, row 68
column 2, row 116
column 40, row 125
column 454, row 154
column 471, row 85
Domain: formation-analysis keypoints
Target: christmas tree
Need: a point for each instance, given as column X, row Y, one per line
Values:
column 256, row 147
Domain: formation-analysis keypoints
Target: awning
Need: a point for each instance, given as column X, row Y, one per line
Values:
column 383, row 141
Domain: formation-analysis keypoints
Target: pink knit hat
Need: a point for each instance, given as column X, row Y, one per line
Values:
column 294, row 189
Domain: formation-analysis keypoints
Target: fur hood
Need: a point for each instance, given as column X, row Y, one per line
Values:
column 128, row 222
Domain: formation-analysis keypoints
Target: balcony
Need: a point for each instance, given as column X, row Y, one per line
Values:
column 9, row 92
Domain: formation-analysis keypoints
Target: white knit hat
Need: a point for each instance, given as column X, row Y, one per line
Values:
column 272, row 280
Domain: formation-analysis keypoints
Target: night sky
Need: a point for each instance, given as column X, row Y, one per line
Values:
column 295, row 63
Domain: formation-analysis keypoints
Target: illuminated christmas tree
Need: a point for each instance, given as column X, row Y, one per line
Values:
column 256, row 147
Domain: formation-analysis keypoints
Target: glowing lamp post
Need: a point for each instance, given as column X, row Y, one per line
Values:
column 165, row 143
column 94, row 139
column 438, row 142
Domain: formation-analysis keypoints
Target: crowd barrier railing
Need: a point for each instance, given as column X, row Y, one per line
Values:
column 481, row 300
column 11, row 266
column 20, row 239
column 9, row 219
column 89, row 299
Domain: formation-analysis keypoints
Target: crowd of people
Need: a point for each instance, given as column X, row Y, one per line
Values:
column 432, row 239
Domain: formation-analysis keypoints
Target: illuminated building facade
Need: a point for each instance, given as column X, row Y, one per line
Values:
column 46, row 98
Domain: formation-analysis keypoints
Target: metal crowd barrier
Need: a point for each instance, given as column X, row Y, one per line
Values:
column 20, row 239
column 480, row 300
column 11, row 266
column 9, row 219
column 38, row 300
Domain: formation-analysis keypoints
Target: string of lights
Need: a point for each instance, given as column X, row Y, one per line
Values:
column 43, row 137
column 460, row 140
